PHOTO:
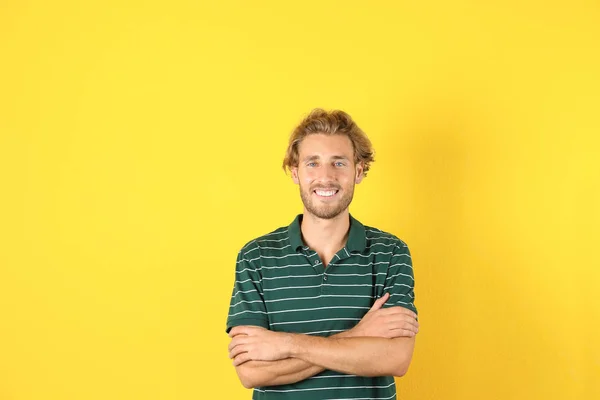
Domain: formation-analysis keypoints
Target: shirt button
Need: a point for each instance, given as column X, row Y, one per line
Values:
column 325, row 277
column 316, row 262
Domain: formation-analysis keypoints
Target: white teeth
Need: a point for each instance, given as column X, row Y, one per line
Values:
column 326, row 193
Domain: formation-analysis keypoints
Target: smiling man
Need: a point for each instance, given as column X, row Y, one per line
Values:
column 324, row 308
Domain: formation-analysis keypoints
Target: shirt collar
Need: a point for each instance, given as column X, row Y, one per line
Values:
column 357, row 239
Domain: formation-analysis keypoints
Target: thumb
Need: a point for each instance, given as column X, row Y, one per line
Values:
column 380, row 302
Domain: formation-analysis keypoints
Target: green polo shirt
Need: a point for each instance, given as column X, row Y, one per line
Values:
column 282, row 285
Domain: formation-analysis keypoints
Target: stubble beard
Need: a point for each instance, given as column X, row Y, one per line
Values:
column 326, row 211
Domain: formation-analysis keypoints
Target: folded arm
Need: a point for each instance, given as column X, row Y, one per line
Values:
column 265, row 358
column 271, row 373
column 363, row 356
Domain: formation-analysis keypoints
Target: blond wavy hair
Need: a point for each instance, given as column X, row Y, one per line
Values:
column 335, row 122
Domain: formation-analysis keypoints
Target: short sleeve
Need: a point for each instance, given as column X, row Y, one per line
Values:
column 400, row 281
column 247, row 306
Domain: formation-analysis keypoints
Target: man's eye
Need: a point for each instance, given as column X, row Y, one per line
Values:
column 339, row 164
column 311, row 164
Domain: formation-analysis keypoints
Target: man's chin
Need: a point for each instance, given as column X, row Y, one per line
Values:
column 324, row 213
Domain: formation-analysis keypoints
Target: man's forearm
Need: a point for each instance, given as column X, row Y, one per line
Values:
column 280, row 372
column 272, row 373
column 364, row 356
column 381, row 344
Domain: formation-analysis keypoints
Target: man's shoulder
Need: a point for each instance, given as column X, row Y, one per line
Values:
column 378, row 236
column 277, row 239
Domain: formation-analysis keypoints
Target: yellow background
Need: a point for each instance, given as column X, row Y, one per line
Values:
column 140, row 148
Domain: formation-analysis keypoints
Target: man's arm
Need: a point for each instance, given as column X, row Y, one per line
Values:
column 279, row 372
column 363, row 356
column 379, row 323
column 271, row 373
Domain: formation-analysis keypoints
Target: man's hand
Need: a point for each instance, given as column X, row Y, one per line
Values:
column 257, row 344
column 388, row 323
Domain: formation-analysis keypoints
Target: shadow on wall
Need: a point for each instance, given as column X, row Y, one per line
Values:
column 479, row 329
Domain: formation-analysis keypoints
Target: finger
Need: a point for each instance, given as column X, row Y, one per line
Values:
column 240, row 359
column 237, row 350
column 403, row 310
column 380, row 302
column 403, row 320
column 243, row 330
column 394, row 333
column 240, row 339
column 236, row 330
column 399, row 310
column 411, row 327
column 408, row 319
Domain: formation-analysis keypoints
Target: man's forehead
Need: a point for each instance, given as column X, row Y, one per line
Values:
column 326, row 146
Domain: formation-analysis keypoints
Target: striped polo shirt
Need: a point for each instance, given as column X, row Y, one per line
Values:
column 282, row 285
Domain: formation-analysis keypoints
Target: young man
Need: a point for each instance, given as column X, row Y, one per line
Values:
column 324, row 308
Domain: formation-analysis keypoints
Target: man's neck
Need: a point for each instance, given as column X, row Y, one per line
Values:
column 325, row 236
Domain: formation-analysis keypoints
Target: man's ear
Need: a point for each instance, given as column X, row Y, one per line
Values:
column 294, row 171
column 360, row 174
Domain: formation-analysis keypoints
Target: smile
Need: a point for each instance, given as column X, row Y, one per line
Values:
column 326, row 193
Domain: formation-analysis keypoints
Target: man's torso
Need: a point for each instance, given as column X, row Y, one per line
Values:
column 289, row 290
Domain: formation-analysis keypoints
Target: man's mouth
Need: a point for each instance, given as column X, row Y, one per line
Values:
column 326, row 192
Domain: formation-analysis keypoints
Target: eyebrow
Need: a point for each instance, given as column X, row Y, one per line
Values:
column 315, row 157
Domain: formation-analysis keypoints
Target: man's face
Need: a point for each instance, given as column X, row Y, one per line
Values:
column 326, row 174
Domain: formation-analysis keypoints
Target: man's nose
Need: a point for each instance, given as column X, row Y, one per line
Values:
column 327, row 173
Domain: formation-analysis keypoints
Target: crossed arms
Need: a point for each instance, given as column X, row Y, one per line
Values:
column 381, row 344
